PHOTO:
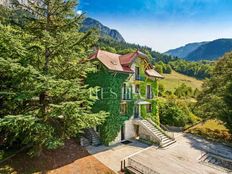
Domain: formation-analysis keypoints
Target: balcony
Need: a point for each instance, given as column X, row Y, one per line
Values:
column 139, row 78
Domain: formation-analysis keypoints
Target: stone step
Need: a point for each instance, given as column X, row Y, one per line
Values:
column 166, row 141
column 161, row 135
column 167, row 144
column 133, row 170
column 208, row 159
column 84, row 141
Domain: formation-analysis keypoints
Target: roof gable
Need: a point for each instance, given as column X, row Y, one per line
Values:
column 122, row 63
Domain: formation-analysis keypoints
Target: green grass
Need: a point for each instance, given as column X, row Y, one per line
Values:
column 175, row 79
column 212, row 129
column 213, row 124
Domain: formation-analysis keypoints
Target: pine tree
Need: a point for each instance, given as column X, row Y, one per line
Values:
column 43, row 64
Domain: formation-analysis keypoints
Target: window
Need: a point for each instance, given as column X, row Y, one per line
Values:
column 149, row 92
column 137, row 73
column 136, row 111
column 137, row 90
column 123, row 108
column 124, row 92
column 149, row 108
column 98, row 66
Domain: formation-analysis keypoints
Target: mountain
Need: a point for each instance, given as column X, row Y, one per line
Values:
column 182, row 52
column 211, row 50
column 105, row 32
column 203, row 50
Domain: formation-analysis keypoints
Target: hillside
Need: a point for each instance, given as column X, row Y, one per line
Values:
column 182, row 52
column 211, row 50
column 203, row 50
column 105, row 32
column 175, row 79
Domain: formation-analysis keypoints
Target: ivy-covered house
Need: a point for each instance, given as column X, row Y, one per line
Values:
column 128, row 89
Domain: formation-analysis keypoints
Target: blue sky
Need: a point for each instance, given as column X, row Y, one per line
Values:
column 163, row 24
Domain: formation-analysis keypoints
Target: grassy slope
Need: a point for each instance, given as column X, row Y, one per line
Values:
column 173, row 80
column 212, row 124
column 212, row 129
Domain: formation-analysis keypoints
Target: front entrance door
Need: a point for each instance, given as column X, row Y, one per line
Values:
column 136, row 111
column 136, row 130
column 122, row 133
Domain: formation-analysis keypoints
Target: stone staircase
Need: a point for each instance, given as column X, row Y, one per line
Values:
column 133, row 170
column 84, row 142
column 217, row 161
column 92, row 136
column 163, row 139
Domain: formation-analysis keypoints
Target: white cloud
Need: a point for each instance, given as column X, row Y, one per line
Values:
column 79, row 12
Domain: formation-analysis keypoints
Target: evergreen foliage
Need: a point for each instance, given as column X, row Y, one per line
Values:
column 163, row 68
column 215, row 98
column 183, row 91
column 200, row 70
column 43, row 64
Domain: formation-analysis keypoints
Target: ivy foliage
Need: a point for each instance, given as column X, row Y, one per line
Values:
column 110, row 97
column 153, row 115
column 110, row 85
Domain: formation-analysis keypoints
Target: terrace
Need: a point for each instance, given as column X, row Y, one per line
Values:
column 183, row 157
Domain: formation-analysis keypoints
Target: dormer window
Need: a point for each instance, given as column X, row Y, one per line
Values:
column 137, row 77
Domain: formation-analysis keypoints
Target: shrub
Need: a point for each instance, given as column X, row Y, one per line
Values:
column 183, row 91
column 214, row 134
column 172, row 115
column 161, row 90
column 176, row 112
column 159, row 69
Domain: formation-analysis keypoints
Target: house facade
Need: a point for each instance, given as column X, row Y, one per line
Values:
column 128, row 90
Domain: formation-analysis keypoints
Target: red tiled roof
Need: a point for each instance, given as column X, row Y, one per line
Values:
column 127, row 58
column 153, row 73
column 121, row 63
column 111, row 61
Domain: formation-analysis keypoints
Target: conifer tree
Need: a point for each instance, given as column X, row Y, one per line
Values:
column 215, row 100
column 43, row 64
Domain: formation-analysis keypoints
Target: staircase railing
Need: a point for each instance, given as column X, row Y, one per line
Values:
column 171, row 134
column 167, row 133
column 130, row 162
column 140, row 167
column 158, row 138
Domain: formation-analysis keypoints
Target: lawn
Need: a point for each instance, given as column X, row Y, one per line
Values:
column 212, row 129
column 175, row 79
